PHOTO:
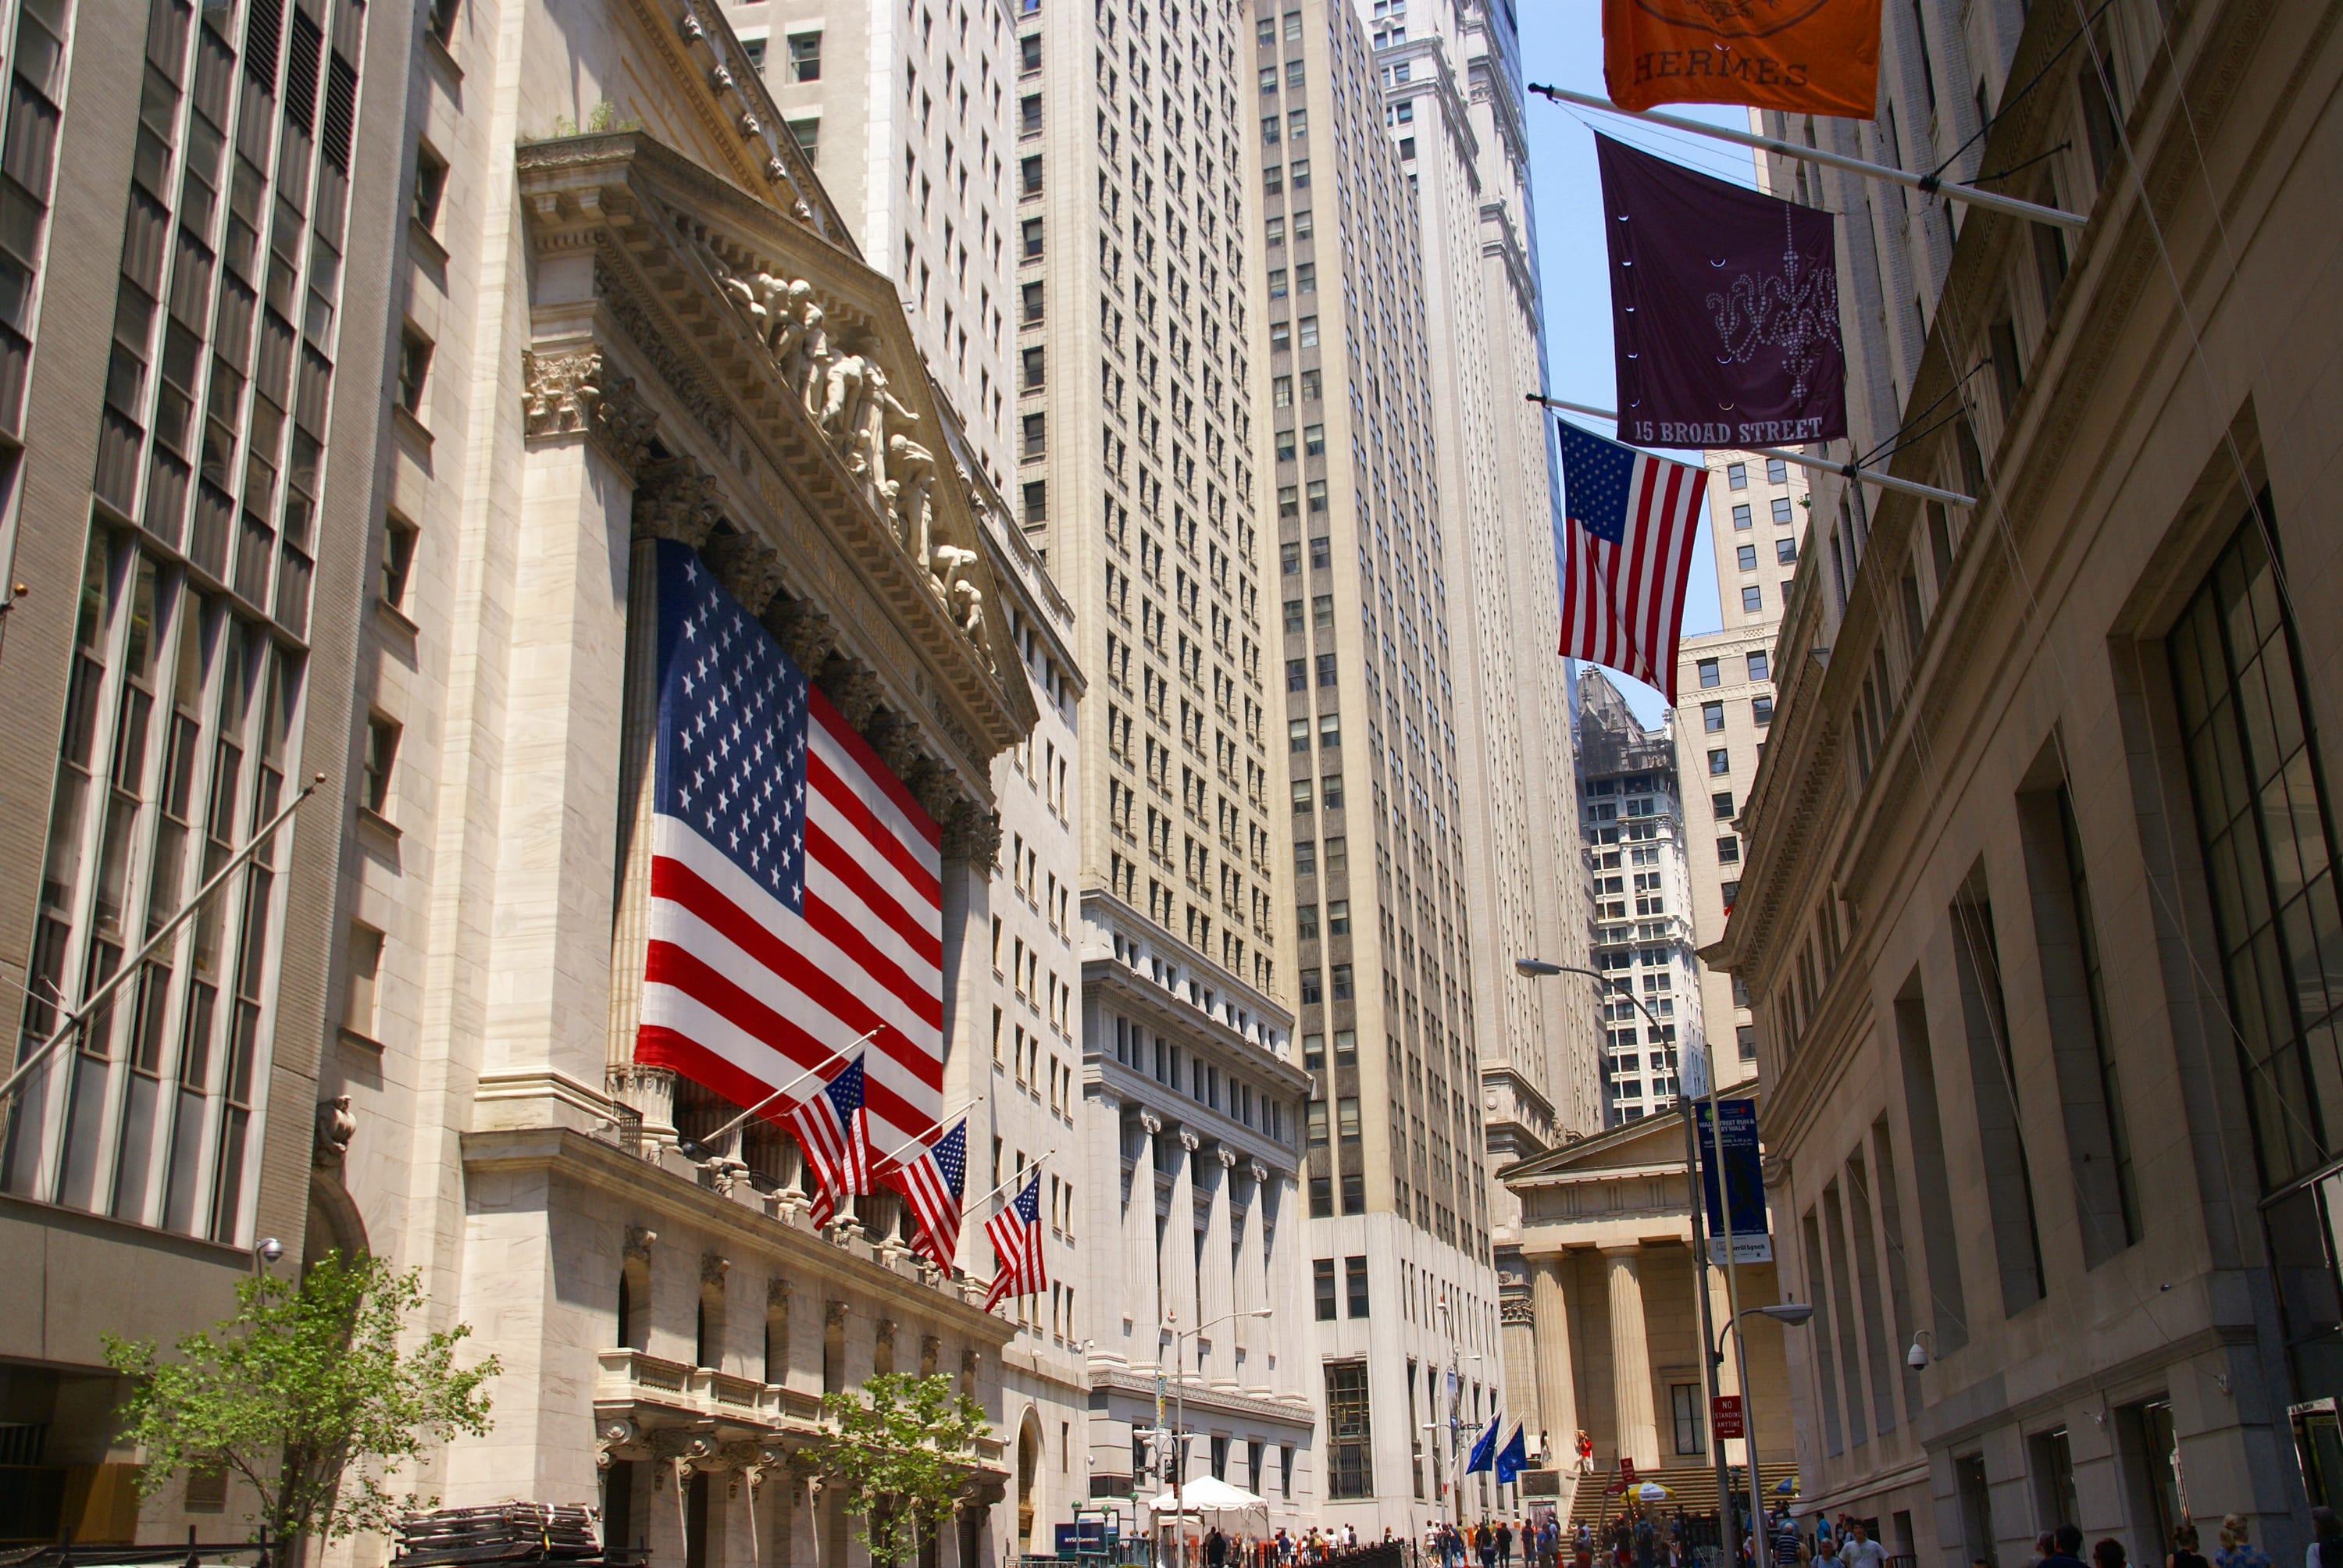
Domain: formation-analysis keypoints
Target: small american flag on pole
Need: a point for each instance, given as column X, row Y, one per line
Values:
column 1626, row 553
column 1016, row 1233
column 833, row 1129
column 797, row 892
column 932, row 1181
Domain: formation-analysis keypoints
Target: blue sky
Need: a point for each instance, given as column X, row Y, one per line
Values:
column 1562, row 46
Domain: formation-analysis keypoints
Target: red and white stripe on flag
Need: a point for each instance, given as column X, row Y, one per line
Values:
column 1626, row 554
column 797, row 888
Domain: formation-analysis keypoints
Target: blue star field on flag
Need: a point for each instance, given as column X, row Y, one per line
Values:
column 732, row 761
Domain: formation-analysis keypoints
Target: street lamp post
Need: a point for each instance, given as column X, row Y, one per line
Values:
column 1790, row 1315
column 1177, row 1446
column 1539, row 969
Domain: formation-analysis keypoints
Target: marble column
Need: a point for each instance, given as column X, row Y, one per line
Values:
column 1142, row 1303
column 1176, row 1256
column 1631, row 1360
column 1216, row 1283
column 1557, row 1390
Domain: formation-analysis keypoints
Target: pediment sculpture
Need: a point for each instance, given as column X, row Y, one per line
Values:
column 846, row 393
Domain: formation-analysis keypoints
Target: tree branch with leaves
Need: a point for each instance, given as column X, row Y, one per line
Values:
column 903, row 1452
column 305, row 1382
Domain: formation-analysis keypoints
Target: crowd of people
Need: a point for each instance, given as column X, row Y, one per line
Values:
column 1641, row 1538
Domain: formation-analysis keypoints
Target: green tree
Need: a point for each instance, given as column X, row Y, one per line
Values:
column 306, row 1393
column 903, row 1452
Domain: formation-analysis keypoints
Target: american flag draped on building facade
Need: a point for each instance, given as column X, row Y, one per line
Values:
column 796, row 887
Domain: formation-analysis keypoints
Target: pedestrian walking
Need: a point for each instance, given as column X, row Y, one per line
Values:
column 1861, row 1551
column 1504, row 1545
column 2184, row 1554
column 2109, row 1553
column 2237, row 1549
column 2327, row 1540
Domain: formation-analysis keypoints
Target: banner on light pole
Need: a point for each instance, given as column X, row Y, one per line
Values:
column 1747, row 1235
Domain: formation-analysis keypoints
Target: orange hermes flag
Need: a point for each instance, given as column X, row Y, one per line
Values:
column 1805, row 56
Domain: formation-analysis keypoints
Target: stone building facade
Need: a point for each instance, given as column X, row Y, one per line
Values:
column 2035, row 907
column 1606, row 1243
column 614, row 311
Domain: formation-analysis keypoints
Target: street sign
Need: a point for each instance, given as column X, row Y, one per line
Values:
column 1724, row 1415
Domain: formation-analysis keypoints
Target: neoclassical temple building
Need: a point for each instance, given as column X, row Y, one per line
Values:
column 1602, row 1320
column 621, row 332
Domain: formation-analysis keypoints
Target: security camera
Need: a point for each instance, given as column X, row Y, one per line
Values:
column 270, row 1250
column 1916, row 1358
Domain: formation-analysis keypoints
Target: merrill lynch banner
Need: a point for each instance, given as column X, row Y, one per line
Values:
column 1725, row 309
column 1804, row 56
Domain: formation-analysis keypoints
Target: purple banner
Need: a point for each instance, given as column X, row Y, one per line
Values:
column 1725, row 309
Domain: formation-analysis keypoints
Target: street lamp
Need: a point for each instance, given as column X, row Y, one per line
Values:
column 1790, row 1315
column 1541, row 969
column 1178, row 1445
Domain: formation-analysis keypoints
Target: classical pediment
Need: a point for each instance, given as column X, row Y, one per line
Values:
column 781, row 365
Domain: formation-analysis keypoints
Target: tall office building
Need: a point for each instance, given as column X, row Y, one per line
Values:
column 1138, row 476
column 1404, row 1294
column 1631, row 815
column 1452, row 100
column 1725, row 710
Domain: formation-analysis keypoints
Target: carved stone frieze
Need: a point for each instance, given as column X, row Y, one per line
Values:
column 749, row 569
column 676, row 499
column 579, row 394
column 778, row 1291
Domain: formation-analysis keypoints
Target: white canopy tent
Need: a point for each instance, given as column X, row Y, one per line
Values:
column 1207, row 1495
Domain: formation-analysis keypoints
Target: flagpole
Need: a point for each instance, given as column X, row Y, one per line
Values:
column 1926, row 185
column 937, row 1126
column 1822, row 464
column 1013, row 1181
column 726, row 1130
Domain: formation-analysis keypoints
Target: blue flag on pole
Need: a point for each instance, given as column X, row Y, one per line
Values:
column 1513, row 1458
column 1484, row 1448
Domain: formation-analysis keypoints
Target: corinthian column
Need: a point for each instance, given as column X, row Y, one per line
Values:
column 1631, row 1360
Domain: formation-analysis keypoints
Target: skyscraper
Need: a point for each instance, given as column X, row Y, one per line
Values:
column 1633, row 821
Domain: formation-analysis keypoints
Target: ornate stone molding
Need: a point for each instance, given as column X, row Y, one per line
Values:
column 1189, row 1142
column 855, row 692
column 579, row 394
column 1259, row 1172
column 676, row 499
column 681, row 380
column 640, row 1239
column 1152, row 1122
column 1515, row 1312
column 778, row 1291
column 972, row 834
column 833, row 1314
column 1228, row 1157
column 336, row 1127
column 713, row 1267
column 748, row 570
column 808, row 637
